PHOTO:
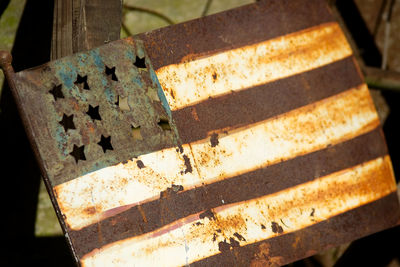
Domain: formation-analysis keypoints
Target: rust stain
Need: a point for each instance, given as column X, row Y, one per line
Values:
column 228, row 245
column 142, row 213
column 140, row 164
column 239, row 236
column 207, row 214
column 174, row 189
column 262, row 257
column 214, row 140
column 276, row 228
column 296, row 242
column 194, row 114
column 90, row 210
column 187, row 164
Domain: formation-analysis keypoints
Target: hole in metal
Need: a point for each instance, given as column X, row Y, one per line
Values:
column 82, row 80
column 140, row 62
column 105, row 143
column 78, row 153
column 67, row 122
column 111, row 71
column 56, row 92
column 93, row 112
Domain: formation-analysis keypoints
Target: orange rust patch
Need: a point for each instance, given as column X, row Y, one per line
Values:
column 142, row 213
column 74, row 104
column 194, row 114
column 129, row 40
column 90, row 210
column 296, row 242
column 91, row 128
column 262, row 258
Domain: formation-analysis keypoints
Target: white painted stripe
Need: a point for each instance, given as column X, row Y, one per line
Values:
column 291, row 209
column 287, row 136
column 95, row 196
column 245, row 67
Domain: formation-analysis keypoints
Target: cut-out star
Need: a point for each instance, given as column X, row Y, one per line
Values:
column 105, row 143
column 140, row 62
column 67, row 122
column 93, row 112
column 82, row 79
column 111, row 71
column 56, row 92
column 78, row 153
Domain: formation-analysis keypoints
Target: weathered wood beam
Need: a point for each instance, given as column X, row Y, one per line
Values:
column 83, row 24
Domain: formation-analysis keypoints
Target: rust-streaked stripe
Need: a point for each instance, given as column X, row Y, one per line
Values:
column 86, row 199
column 233, row 28
column 252, row 65
column 298, row 132
column 192, row 238
column 265, row 101
column 271, row 179
column 343, row 228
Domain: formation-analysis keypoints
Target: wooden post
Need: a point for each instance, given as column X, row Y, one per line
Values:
column 80, row 25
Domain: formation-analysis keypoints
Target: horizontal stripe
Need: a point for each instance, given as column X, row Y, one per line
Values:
column 245, row 67
column 298, row 132
column 292, row 209
column 89, row 198
column 265, row 101
column 271, row 179
column 86, row 199
column 230, row 29
column 343, row 228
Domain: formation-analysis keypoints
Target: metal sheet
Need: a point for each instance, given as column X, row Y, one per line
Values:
column 246, row 138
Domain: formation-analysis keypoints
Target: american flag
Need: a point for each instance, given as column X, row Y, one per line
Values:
column 268, row 147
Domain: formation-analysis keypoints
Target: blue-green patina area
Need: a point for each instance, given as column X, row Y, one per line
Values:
column 66, row 72
column 130, row 55
column 160, row 93
column 97, row 59
column 62, row 140
column 141, row 52
column 133, row 102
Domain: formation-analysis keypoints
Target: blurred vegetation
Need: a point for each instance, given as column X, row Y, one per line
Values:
column 176, row 10
column 8, row 26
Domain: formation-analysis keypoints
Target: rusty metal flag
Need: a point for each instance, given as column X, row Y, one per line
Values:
column 246, row 138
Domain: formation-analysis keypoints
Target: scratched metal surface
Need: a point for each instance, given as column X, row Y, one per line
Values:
column 246, row 138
